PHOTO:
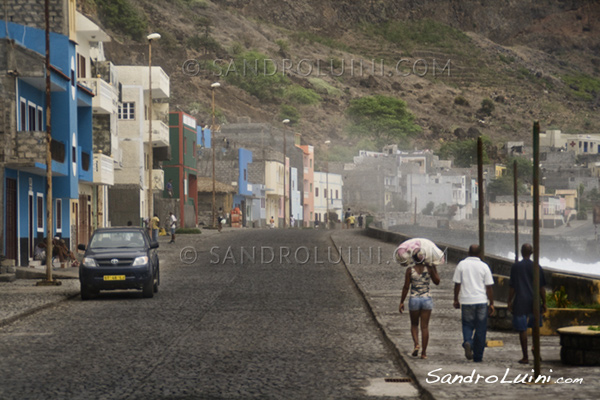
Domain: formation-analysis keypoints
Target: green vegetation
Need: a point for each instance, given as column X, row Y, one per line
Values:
column 382, row 118
column 283, row 45
column 425, row 32
column 310, row 37
column 122, row 16
column 323, row 87
column 487, row 108
column 194, row 231
column 347, row 153
column 558, row 299
column 255, row 73
column 594, row 328
column 289, row 112
column 461, row 101
column 506, row 59
column 583, row 86
column 464, row 152
column 299, row 95
column 204, row 42
column 428, row 210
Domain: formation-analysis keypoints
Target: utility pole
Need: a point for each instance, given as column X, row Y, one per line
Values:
column 516, row 201
column 536, row 248
column 480, row 193
column 49, row 235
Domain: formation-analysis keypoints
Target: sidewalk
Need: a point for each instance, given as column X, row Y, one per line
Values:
column 381, row 285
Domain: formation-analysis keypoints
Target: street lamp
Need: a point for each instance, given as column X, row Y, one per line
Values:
column 285, row 122
column 150, row 37
column 212, row 144
column 327, row 194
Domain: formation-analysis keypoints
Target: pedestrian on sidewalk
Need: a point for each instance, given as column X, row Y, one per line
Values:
column 521, row 297
column 172, row 225
column 473, row 288
column 155, row 224
column 418, row 278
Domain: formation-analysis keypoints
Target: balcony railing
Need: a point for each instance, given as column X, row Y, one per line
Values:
column 160, row 133
column 106, row 96
column 104, row 169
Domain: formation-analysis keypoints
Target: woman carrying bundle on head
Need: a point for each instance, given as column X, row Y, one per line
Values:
column 421, row 256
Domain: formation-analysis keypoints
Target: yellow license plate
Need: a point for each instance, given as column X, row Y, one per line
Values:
column 114, row 277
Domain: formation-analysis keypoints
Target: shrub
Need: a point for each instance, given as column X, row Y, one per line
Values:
column 325, row 88
column 204, row 42
column 255, row 73
column 122, row 16
column 461, row 101
column 487, row 108
column 299, row 95
column 289, row 112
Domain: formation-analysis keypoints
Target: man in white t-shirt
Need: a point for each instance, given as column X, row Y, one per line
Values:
column 473, row 288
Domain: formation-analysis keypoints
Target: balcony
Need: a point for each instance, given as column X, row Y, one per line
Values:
column 138, row 76
column 104, row 170
column 106, row 96
column 160, row 133
column 29, row 154
column 158, row 179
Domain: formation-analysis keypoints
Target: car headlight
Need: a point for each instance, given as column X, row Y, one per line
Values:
column 140, row 261
column 89, row 262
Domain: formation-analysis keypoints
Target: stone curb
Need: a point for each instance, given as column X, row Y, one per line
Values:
column 423, row 392
column 9, row 320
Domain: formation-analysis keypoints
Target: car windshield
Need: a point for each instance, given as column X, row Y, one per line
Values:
column 117, row 240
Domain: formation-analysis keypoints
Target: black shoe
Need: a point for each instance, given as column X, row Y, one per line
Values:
column 468, row 351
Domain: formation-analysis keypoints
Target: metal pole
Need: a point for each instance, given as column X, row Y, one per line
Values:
column 516, row 201
column 481, row 197
column 150, row 158
column 328, row 196
column 213, row 144
column 284, row 171
column 49, row 226
column 536, row 248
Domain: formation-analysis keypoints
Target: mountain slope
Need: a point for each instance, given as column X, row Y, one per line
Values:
column 534, row 61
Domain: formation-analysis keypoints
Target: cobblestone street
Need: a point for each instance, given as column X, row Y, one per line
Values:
column 223, row 325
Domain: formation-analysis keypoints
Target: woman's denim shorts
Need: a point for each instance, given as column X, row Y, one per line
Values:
column 420, row 303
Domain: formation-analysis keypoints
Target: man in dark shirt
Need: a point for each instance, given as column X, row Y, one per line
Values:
column 520, row 296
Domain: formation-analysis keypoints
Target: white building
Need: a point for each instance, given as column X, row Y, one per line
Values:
column 328, row 195
column 100, row 77
column 129, row 195
column 578, row 143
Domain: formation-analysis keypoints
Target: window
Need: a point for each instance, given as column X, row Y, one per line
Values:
column 40, row 119
column 245, row 175
column 40, row 212
column 23, row 114
column 325, row 193
column 337, row 194
column 58, row 215
column 81, row 69
column 32, row 116
column 185, row 146
column 127, row 111
column 316, row 192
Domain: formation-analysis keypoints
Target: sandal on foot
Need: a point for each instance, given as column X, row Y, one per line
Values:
column 423, row 357
column 415, row 351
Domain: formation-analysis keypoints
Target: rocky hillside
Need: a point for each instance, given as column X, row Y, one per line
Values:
column 534, row 60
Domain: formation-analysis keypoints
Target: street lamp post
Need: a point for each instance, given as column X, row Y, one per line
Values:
column 212, row 144
column 328, row 195
column 285, row 123
column 150, row 37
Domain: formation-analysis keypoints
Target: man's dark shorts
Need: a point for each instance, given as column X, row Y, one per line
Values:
column 522, row 322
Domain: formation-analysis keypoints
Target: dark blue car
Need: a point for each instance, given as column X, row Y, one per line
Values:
column 119, row 258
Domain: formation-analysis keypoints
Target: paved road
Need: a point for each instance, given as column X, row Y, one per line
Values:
column 218, row 328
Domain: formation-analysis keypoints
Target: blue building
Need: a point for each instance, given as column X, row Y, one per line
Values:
column 23, row 128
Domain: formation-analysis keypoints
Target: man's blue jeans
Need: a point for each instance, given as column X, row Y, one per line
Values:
column 474, row 318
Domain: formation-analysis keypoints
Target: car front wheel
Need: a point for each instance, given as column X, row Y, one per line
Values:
column 86, row 292
column 148, row 288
